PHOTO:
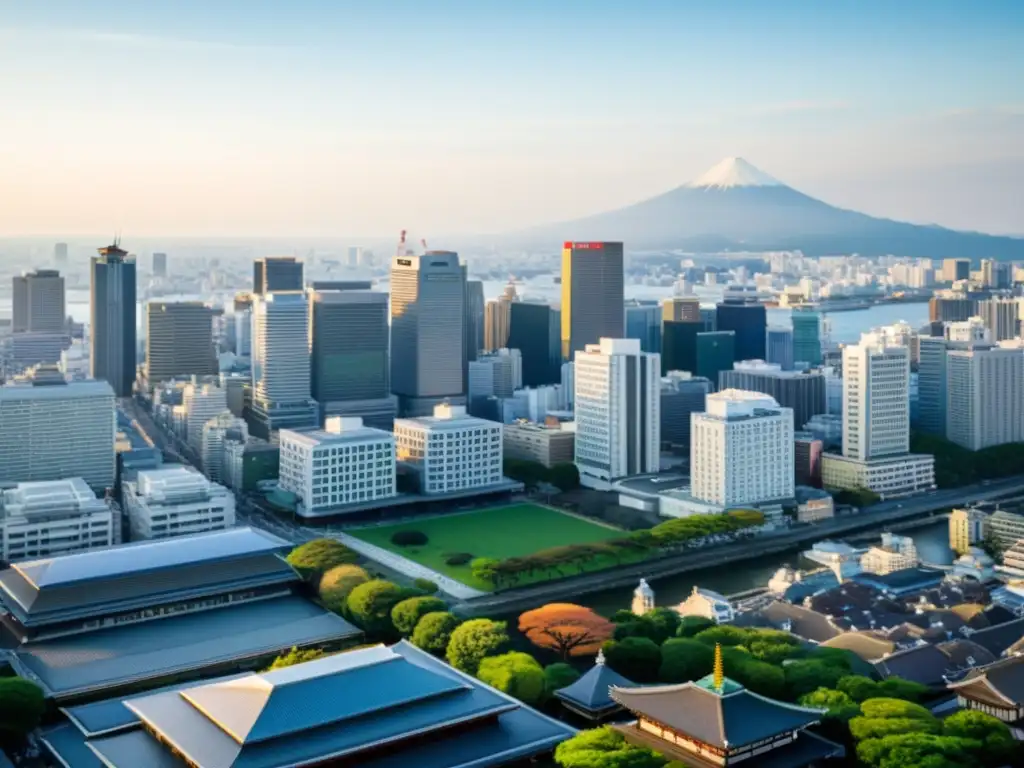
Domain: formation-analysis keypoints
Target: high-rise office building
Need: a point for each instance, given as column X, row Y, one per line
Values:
column 996, row 274
column 535, row 330
column 679, row 345
column 643, row 323
column 593, row 295
column 60, row 253
column 112, row 319
column 806, row 337
column 179, row 340
column 474, row 318
column 741, row 450
column 201, row 402
column 779, row 347
column 802, row 393
column 496, row 374
column 243, row 324
column 950, row 307
column 428, row 299
column 682, row 309
column 37, row 302
column 497, row 319
column 932, row 370
column 682, row 394
column 876, row 399
column 984, row 396
column 281, row 387
column 956, row 269
column 716, row 352
column 618, row 411
column 748, row 320
column 276, row 273
column 51, row 430
column 159, row 264
column 1001, row 317
column 349, row 338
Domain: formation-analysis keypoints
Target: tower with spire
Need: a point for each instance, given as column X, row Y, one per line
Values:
column 643, row 598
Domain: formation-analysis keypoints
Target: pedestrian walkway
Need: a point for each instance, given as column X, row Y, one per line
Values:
column 413, row 570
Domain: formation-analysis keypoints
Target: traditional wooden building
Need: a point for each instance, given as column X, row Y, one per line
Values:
column 996, row 690
column 715, row 721
column 590, row 696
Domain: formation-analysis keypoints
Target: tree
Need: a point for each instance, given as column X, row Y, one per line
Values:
column 565, row 476
column 604, row 748
column 434, row 631
column 485, row 569
column 636, row 658
column 916, row 750
column 684, row 659
column 858, row 687
column 838, row 704
column 337, row 584
column 296, row 656
column 566, row 628
column 723, row 634
column 21, row 708
column 559, row 675
column 426, row 586
column 370, row 605
column 692, row 625
column 472, row 641
column 517, row 674
column 802, row 677
column 407, row 614
column 760, row 677
column 997, row 743
column 318, row 556
column 898, row 688
column 889, row 717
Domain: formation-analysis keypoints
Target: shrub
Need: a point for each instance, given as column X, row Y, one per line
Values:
column 337, row 584
column 635, row 658
column 426, row 586
column 560, row 675
column 314, row 558
column 458, row 558
column 407, row 614
column 517, row 674
column 474, row 640
column 409, row 538
column 370, row 605
column 434, row 631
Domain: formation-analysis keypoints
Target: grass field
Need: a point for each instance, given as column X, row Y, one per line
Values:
column 513, row 531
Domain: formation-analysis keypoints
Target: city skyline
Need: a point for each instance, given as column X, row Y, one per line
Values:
column 341, row 120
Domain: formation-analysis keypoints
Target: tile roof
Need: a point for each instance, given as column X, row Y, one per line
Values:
column 1001, row 683
column 593, row 690
column 866, row 645
column 965, row 654
column 924, row 664
column 999, row 638
column 803, row 622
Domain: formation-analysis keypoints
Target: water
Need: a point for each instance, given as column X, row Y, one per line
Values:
column 931, row 539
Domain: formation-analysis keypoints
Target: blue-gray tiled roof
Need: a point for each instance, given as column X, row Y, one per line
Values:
column 592, row 690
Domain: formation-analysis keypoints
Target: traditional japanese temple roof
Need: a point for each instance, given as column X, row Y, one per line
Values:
column 1000, row 684
column 592, row 692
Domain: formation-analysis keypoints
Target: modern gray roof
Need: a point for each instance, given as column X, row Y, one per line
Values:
column 143, row 574
column 361, row 706
column 76, row 665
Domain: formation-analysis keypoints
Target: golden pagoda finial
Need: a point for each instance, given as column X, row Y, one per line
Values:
column 719, row 668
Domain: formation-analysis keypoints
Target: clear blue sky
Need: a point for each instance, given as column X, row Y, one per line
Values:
column 315, row 117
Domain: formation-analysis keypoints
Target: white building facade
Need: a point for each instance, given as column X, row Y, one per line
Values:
column 216, row 431
column 55, row 517
column 450, row 451
column 497, row 374
column 341, row 465
column 741, row 450
column 202, row 402
column 876, row 398
column 175, row 501
column 984, row 397
column 618, row 411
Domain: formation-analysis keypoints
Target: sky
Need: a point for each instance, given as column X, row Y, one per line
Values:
column 331, row 117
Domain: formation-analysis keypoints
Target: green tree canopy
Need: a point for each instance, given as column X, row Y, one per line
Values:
column 890, row 717
column 564, row 476
column 604, row 748
column 838, row 704
column 996, row 744
column 657, row 625
column 21, row 708
column 916, row 750
column 723, row 634
column 517, row 674
column 560, row 675
column 759, row 676
column 407, row 614
column 296, row 656
column 898, row 688
column 692, row 625
column 684, row 659
column 474, row 640
column 318, row 556
column 805, row 676
column 636, row 658
column 370, row 605
column 434, row 631
column 426, row 586
column 337, row 584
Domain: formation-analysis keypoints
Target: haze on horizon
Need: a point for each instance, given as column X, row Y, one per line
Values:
column 321, row 118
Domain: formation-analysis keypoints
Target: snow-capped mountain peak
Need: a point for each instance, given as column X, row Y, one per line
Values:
column 734, row 172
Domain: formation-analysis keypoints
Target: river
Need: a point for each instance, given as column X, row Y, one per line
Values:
column 931, row 539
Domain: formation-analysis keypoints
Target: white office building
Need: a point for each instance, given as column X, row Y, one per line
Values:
column 175, row 501
column 618, row 411
column 496, row 374
column 55, row 517
column 450, row 451
column 58, row 430
column 741, row 450
column 895, row 553
column 344, row 464
column 225, row 426
column 535, row 403
column 984, row 396
column 280, row 347
column 202, row 402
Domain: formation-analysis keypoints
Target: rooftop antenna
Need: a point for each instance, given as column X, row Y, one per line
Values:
column 423, row 242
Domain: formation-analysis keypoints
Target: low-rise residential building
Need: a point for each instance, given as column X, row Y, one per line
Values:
column 54, row 517
column 813, row 504
column 450, row 451
column 966, row 527
column 175, row 501
column 342, row 465
column 546, row 444
column 707, row 604
column 888, row 476
column 895, row 553
column 1007, row 528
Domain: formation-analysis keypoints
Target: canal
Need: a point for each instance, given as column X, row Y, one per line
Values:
column 931, row 539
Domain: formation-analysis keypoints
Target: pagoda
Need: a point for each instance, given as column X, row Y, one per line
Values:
column 715, row 721
column 590, row 696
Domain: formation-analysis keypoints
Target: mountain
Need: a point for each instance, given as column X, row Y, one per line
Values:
column 735, row 206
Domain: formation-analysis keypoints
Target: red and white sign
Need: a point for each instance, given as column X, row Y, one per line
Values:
column 584, row 246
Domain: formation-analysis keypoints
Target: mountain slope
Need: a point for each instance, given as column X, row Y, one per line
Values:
column 735, row 206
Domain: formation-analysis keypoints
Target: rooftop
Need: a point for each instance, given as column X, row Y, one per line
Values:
column 337, row 430
column 1000, row 684
column 592, row 692
column 447, row 417
column 740, row 404
column 49, row 497
column 71, row 389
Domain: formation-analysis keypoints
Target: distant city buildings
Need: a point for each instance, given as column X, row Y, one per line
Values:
column 984, row 397
column 175, row 501
column 38, row 304
column 780, row 347
column 273, row 274
column 682, row 394
column 497, row 319
column 547, row 444
column 745, row 316
column 643, row 323
column 496, row 374
column 159, row 265
column 802, row 392
column 112, row 319
column 806, row 337
column 593, row 295
column 179, row 340
column 201, row 402
column 534, row 329
column 617, row 404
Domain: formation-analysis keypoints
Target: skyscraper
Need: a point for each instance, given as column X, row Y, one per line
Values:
column 618, row 411
column 349, row 345
column 179, row 340
column 779, row 347
column 593, row 295
column 748, row 320
column 159, row 265
column 60, row 253
column 643, row 322
column 428, row 298
column 112, row 319
column 535, row 330
column 474, row 318
column 876, row 399
column 679, row 345
column 276, row 273
column 681, row 395
column 682, row 309
column 802, row 393
column 281, row 364
column 1001, row 317
column 38, row 302
column 497, row 316
column 950, row 307
column 806, row 337
column 956, row 269
column 984, row 396
column 716, row 352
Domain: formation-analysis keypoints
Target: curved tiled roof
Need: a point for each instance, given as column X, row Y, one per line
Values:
column 593, row 690
column 864, row 644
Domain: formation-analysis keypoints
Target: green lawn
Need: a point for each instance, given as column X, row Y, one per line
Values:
column 514, row 531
